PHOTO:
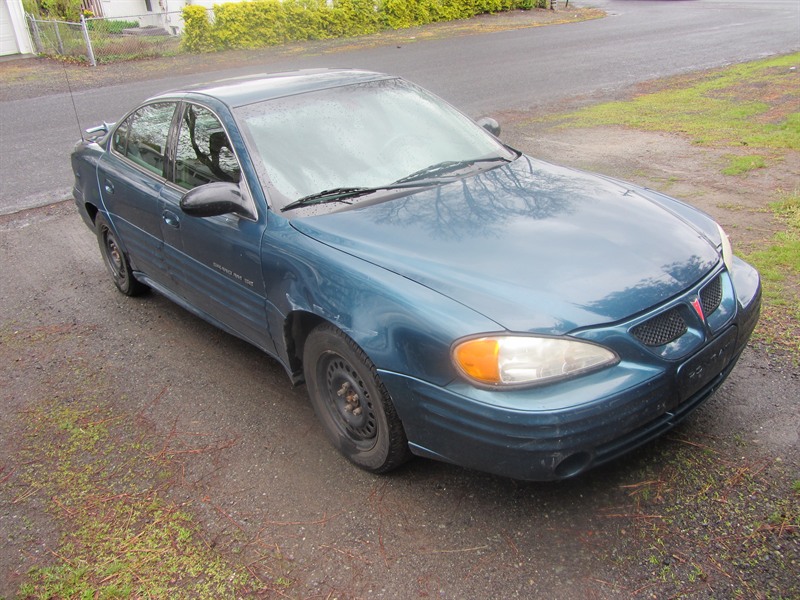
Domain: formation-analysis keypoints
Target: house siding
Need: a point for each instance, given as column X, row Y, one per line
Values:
column 14, row 36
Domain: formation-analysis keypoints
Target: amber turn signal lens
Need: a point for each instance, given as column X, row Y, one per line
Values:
column 478, row 359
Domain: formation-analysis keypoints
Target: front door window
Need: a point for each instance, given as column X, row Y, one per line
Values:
column 204, row 153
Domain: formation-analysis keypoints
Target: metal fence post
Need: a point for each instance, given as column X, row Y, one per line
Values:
column 88, row 42
column 58, row 38
column 37, row 37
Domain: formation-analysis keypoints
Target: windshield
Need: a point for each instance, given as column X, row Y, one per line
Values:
column 366, row 135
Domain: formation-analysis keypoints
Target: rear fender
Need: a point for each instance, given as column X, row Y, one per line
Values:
column 86, row 191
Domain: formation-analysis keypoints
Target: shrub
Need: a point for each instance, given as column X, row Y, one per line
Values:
column 269, row 22
column 197, row 31
column 306, row 19
column 399, row 14
column 249, row 24
column 63, row 10
column 354, row 17
column 451, row 10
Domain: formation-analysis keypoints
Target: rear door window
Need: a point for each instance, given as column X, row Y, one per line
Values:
column 142, row 137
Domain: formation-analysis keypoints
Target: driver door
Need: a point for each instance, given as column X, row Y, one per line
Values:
column 216, row 260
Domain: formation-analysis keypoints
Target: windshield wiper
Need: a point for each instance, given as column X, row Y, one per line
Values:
column 333, row 195
column 342, row 194
column 448, row 166
column 416, row 179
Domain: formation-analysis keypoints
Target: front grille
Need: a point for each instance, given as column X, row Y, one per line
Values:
column 711, row 296
column 661, row 329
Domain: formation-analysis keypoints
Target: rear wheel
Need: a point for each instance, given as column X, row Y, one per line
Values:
column 351, row 401
column 116, row 261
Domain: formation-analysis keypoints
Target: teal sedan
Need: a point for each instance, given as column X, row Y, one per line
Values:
column 439, row 293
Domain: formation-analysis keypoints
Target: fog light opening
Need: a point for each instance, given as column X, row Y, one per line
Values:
column 573, row 464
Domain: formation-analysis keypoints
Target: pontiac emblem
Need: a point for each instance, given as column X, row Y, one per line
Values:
column 698, row 308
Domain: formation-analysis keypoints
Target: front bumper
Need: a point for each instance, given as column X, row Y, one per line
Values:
column 558, row 431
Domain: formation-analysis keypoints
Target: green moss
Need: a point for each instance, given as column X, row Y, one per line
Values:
column 714, row 109
column 738, row 165
column 704, row 521
column 100, row 479
column 778, row 261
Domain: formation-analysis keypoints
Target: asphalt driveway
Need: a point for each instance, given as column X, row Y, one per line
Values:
column 689, row 514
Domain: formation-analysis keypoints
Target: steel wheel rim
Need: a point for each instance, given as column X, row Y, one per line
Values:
column 348, row 401
column 114, row 256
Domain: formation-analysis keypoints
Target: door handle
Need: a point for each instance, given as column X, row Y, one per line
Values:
column 108, row 186
column 171, row 219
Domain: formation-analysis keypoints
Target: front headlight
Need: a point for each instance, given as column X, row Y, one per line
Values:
column 517, row 360
column 727, row 250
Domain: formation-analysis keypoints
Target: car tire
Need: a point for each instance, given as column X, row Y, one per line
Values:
column 116, row 261
column 352, row 403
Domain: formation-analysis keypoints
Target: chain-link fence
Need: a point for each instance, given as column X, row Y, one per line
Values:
column 97, row 40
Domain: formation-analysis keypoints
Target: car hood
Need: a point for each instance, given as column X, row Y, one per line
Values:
column 530, row 245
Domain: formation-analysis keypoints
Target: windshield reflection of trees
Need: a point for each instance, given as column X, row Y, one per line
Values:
column 485, row 204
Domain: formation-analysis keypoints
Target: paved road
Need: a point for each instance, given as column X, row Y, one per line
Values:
column 490, row 73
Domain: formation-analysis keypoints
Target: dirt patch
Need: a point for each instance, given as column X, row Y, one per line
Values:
column 675, row 166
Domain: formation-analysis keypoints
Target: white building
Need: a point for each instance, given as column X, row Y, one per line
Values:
column 14, row 36
column 150, row 13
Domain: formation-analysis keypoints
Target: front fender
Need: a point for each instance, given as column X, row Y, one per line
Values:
column 403, row 326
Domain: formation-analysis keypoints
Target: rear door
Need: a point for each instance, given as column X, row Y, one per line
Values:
column 131, row 177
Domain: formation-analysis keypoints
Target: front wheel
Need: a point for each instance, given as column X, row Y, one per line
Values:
column 351, row 401
column 116, row 261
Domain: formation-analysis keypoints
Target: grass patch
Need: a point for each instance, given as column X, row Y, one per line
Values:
column 95, row 474
column 715, row 109
column 123, row 538
column 738, row 165
column 779, row 264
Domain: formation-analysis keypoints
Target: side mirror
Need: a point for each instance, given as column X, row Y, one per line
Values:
column 213, row 199
column 100, row 129
column 490, row 125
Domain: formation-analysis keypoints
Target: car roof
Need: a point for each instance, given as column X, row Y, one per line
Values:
column 240, row 91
